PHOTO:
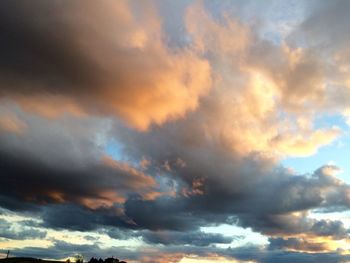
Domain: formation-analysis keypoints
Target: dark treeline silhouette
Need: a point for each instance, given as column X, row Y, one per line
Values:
column 107, row 260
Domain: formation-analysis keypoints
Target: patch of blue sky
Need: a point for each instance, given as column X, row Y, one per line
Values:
column 337, row 153
column 115, row 150
column 325, row 120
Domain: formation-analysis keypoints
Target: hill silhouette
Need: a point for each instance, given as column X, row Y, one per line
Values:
column 37, row 260
column 26, row 260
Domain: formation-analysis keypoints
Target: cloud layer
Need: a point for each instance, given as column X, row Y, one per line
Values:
column 129, row 124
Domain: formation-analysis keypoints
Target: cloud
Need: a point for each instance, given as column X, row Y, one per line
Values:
column 233, row 188
column 196, row 238
column 324, row 31
column 51, row 163
column 268, row 91
column 326, row 24
column 114, row 185
column 298, row 245
column 9, row 231
column 9, row 122
column 101, row 59
column 55, row 217
column 12, row 124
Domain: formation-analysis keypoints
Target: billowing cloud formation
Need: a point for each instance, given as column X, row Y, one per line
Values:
column 99, row 59
column 82, row 86
column 268, row 91
column 65, row 169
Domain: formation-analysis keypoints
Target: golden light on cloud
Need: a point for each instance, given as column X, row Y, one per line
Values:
column 140, row 179
column 9, row 122
column 50, row 107
column 130, row 71
column 299, row 145
column 12, row 244
column 106, row 199
column 312, row 244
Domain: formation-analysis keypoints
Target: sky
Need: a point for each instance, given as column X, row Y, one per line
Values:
column 163, row 131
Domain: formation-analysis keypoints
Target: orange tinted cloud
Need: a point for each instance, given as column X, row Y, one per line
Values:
column 120, row 65
column 50, row 106
column 304, row 145
column 9, row 122
column 112, row 61
column 265, row 94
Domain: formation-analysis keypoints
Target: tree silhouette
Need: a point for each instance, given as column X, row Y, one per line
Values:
column 107, row 260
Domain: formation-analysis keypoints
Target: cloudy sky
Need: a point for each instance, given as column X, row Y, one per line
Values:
column 166, row 131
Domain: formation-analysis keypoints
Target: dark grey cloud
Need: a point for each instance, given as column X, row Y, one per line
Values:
column 80, row 218
column 250, row 191
column 31, row 49
column 38, row 182
column 176, row 238
column 17, row 204
column 121, row 233
column 64, row 161
column 163, row 213
column 194, row 238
